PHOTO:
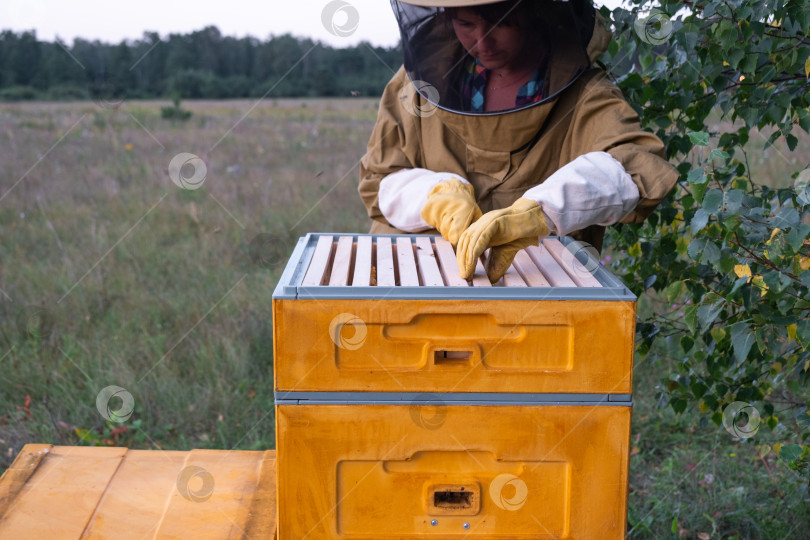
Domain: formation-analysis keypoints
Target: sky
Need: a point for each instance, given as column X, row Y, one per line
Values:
column 339, row 23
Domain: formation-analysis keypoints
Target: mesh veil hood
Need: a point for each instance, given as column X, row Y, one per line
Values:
column 557, row 34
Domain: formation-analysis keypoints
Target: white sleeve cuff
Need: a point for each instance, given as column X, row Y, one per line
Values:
column 404, row 193
column 594, row 189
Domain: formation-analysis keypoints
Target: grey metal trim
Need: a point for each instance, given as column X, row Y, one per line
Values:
column 460, row 398
column 289, row 285
column 301, row 253
column 480, row 403
column 620, row 397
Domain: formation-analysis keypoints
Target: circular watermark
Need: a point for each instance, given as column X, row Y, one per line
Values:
column 802, row 187
column 267, row 250
column 35, row 322
column 581, row 258
column 109, row 92
column 340, row 18
column 123, row 412
column 412, row 103
column 508, row 492
column 195, row 484
column 187, row 171
column 348, row 331
column 428, row 412
column 653, row 27
column 741, row 420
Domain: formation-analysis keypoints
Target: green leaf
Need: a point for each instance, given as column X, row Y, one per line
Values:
column 804, row 121
column 697, row 176
column 733, row 200
column 698, row 191
column 699, row 220
column 803, row 333
column 734, row 56
column 722, row 154
column 742, row 339
column 678, row 405
column 674, row 290
column 713, row 201
column 707, row 314
column 787, row 217
column 703, row 251
column 699, row 138
column 698, row 389
column 760, row 337
column 795, row 238
column 690, row 318
column 792, row 141
column 687, row 342
column 749, row 64
column 790, row 452
column 776, row 281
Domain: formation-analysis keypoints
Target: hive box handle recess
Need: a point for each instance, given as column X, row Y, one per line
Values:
column 442, row 357
column 454, row 499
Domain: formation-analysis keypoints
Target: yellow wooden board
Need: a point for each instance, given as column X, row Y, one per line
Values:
column 71, row 492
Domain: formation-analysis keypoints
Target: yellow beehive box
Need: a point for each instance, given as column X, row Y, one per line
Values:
column 390, row 314
column 419, row 470
column 413, row 404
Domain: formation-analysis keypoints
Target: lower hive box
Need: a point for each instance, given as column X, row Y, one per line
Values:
column 437, row 469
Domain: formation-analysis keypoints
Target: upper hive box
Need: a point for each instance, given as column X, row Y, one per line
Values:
column 389, row 313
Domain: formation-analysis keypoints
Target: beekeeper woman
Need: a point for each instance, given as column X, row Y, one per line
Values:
column 497, row 130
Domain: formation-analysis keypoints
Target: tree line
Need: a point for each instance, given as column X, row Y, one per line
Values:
column 201, row 64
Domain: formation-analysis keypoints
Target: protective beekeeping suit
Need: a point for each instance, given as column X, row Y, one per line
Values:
column 498, row 130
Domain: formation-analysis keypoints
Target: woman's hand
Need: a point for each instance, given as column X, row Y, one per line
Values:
column 451, row 208
column 504, row 232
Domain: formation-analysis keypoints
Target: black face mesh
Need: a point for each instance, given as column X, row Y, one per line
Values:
column 554, row 37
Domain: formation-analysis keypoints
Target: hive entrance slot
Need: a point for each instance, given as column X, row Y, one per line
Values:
column 443, row 357
column 453, row 499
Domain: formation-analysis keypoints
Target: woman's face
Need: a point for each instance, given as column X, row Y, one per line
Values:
column 495, row 46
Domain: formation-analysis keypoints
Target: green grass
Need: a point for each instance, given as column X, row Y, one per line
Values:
column 111, row 275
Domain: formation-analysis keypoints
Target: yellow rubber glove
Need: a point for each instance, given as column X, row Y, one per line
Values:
column 450, row 208
column 505, row 232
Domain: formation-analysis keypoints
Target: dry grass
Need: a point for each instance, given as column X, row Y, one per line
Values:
column 112, row 275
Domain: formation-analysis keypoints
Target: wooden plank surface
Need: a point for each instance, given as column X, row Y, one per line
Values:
column 215, row 499
column 448, row 264
column 100, row 492
column 135, row 500
column 406, row 263
column 550, row 267
column 431, row 275
column 362, row 262
column 575, row 269
column 529, row 270
column 262, row 514
column 342, row 262
column 16, row 476
column 60, row 497
column 385, row 263
column 480, row 278
column 512, row 278
column 320, row 260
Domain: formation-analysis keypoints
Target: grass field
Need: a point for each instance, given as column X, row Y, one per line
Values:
column 110, row 274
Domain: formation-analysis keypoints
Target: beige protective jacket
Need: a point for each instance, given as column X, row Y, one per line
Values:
column 504, row 155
